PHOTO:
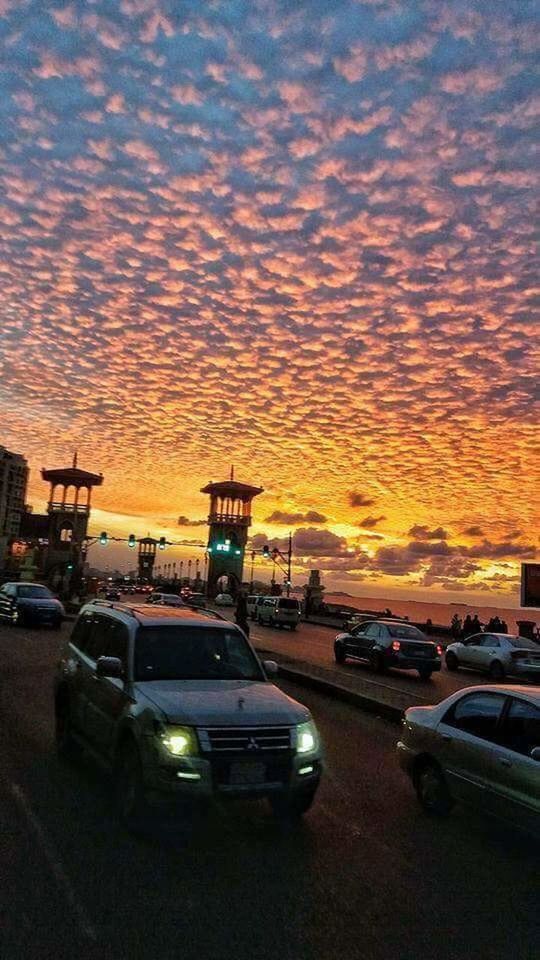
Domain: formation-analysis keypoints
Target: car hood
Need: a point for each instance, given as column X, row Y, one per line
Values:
column 209, row 702
column 44, row 602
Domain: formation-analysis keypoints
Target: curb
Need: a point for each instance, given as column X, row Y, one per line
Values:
column 335, row 690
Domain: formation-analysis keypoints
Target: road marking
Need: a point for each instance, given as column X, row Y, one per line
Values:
column 54, row 862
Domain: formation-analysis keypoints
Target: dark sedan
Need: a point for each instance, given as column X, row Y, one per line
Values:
column 389, row 643
column 30, row 604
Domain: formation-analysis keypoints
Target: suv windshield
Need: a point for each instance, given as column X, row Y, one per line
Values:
column 34, row 593
column 287, row 604
column 407, row 633
column 193, row 653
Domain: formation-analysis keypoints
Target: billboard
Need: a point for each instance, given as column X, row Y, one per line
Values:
column 530, row 584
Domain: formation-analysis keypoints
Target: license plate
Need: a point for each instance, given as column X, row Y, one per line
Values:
column 247, row 773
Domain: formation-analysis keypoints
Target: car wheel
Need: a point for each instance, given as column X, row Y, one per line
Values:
column 271, row 622
column 452, row 662
column 291, row 806
column 339, row 654
column 129, row 790
column 63, row 734
column 496, row 670
column 432, row 790
column 424, row 673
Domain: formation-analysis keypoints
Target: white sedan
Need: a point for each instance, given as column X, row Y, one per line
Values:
column 499, row 654
column 224, row 600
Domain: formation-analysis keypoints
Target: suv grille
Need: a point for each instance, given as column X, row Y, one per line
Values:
column 246, row 740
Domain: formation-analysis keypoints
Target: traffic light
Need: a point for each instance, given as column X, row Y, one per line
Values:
column 131, row 540
column 69, row 567
column 266, row 551
column 104, row 538
column 238, row 552
column 162, row 543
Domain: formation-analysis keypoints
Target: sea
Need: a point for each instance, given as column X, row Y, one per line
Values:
column 441, row 613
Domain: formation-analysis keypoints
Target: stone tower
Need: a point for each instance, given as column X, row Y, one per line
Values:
column 229, row 520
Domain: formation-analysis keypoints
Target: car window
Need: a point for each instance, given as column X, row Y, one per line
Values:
column 521, row 643
column 478, row 714
column 114, row 639
column 96, row 641
column 405, row 632
column 490, row 641
column 373, row 630
column 475, row 640
column 521, row 727
column 80, row 634
column 360, row 628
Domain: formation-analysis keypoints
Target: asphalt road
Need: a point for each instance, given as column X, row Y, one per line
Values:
column 366, row 875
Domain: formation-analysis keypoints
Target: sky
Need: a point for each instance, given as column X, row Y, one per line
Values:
column 293, row 236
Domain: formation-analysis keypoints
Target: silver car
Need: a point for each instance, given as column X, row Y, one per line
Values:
column 481, row 746
column 499, row 654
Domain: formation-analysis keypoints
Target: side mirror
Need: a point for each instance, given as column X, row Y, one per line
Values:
column 271, row 668
column 535, row 753
column 110, row 667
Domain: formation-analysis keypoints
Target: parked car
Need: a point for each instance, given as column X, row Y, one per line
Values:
column 252, row 601
column 196, row 600
column 389, row 643
column 153, row 722
column 480, row 745
column 113, row 594
column 224, row 600
column 279, row 612
column 30, row 604
column 499, row 654
column 166, row 599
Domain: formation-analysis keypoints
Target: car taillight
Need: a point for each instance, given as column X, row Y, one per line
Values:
column 439, row 650
column 396, row 645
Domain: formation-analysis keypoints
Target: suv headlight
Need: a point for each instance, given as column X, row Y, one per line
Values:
column 180, row 741
column 307, row 738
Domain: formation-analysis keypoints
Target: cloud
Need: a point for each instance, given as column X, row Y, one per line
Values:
column 369, row 522
column 186, row 522
column 474, row 531
column 424, row 533
column 313, row 542
column 357, row 499
column 282, row 516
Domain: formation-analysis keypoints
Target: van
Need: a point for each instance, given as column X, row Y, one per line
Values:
column 279, row 612
column 252, row 605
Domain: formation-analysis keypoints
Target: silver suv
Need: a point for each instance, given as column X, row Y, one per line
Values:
column 178, row 705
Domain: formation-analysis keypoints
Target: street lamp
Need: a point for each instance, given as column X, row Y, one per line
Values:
column 189, row 572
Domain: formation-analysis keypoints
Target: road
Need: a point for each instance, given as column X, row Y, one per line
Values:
column 366, row 875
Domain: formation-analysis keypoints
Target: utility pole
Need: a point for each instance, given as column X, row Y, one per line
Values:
column 252, row 566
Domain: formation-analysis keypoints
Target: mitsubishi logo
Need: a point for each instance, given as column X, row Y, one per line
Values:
column 252, row 744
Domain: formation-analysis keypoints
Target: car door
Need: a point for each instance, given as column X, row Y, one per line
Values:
column 490, row 650
column 368, row 640
column 106, row 696
column 466, row 736
column 514, row 791
column 77, row 666
column 471, row 655
column 353, row 639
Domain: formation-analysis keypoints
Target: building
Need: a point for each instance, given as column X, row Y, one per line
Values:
column 13, row 483
column 229, row 520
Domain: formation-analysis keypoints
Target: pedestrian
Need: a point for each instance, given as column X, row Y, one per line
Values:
column 467, row 627
column 456, row 626
column 476, row 626
column 503, row 627
column 241, row 612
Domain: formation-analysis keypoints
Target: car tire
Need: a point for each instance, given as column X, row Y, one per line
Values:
column 271, row 622
column 496, row 670
column 452, row 662
column 291, row 806
column 424, row 673
column 432, row 790
column 129, row 789
column 63, row 735
column 339, row 654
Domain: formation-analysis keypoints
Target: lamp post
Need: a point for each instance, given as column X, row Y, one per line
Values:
column 251, row 575
column 189, row 572
column 181, row 572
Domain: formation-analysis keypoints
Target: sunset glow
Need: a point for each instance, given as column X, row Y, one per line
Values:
column 296, row 237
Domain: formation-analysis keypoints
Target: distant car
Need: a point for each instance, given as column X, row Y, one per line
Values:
column 113, row 594
column 30, row 604
column 224, row 600
column 389, row 643
column 166, row 599
column 499, row 654
column 480, row 745
column 196, row 600
column 279, row 612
